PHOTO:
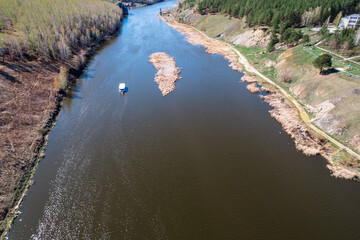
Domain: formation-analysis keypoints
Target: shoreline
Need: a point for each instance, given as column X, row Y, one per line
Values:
column 38, row 150
column 292, row 117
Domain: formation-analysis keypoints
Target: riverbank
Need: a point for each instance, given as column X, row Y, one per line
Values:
column 30, row 104
column 287, row 110
column 167, row 73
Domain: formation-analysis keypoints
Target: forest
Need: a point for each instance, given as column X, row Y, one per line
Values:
column 53, row 29
column 296, row 12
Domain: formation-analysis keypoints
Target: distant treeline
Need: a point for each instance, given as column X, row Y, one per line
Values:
column 296, row 12
column 53, row 29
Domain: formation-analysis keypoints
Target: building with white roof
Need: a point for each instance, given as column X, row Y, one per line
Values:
column 349, row 21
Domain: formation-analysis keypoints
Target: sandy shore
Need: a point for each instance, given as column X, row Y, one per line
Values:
column 167, row 73
column 290, row 115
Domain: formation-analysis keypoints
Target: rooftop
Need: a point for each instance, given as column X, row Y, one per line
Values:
column 353, row 15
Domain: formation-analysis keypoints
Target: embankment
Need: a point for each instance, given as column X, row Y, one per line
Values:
column 286, row 110
column 30, row 102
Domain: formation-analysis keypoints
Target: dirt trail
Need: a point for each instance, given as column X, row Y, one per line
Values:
column 195, row 36
column 167, row 73
column 303, row 114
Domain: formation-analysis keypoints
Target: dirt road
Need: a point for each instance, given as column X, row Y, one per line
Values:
column 303, row 114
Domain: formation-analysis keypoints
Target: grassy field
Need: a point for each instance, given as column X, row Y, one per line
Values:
column 338, row 62
column 258, row 58
column 53, row 29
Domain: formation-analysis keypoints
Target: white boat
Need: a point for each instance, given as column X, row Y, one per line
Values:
column 122, row 87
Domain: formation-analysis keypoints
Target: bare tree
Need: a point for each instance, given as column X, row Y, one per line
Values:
column 305, row 18
column 64, row 50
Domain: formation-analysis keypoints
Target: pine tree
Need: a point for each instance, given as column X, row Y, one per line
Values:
column 273, row 41
column 297, row 12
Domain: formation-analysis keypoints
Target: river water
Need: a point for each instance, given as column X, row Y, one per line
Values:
column 205, row 162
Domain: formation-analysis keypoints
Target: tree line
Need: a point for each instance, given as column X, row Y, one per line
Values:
column 53, row 29
column 295, row 12
column 343, row 40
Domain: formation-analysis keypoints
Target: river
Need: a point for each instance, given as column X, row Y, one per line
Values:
column 204, row 162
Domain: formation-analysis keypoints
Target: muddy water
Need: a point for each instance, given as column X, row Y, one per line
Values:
column 205, row 162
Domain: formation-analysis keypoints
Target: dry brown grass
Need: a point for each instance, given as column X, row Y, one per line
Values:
column 312, row 89
column 167, row 73
column 27, row 98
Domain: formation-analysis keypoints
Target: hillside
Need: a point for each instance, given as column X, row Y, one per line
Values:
column 331, row 99
column 44, row 45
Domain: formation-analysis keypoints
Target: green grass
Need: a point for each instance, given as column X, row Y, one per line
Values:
column 355, row 69
column 257, row 57
column 338, row 62
column 302, row 57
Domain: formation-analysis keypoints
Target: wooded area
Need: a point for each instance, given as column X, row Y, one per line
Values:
column 53, row 29
column 296, row 12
